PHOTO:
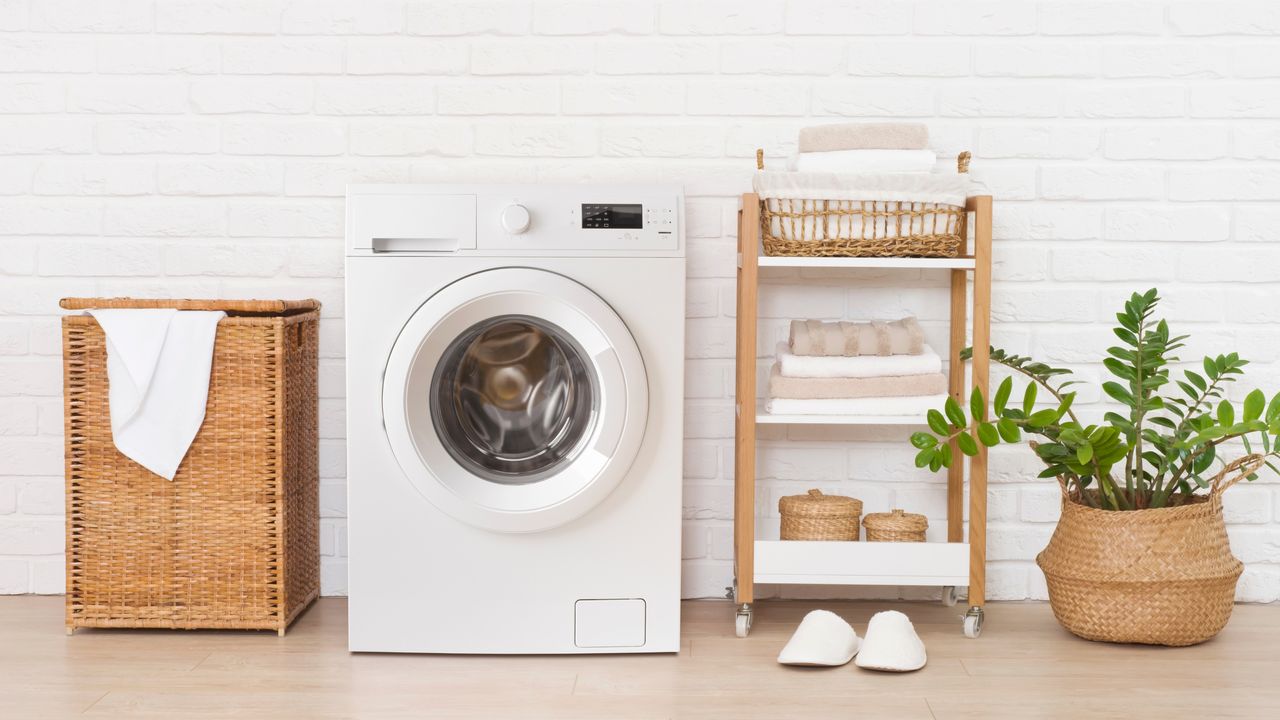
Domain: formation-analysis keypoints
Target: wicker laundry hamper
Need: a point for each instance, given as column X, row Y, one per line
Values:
column 895, row 526
column 815, row 516
column 232, row 541
column 885, row 222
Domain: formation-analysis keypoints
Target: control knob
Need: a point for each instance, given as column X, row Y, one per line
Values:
column 515, row 219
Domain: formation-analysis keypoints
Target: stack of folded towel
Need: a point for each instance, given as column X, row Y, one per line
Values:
column 863, row 148
column 846, row 368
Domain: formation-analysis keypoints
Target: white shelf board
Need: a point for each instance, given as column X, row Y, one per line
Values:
column 800, row 562
column 963, row 263
column 764, row 418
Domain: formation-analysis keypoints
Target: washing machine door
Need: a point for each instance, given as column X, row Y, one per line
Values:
column 515, row 399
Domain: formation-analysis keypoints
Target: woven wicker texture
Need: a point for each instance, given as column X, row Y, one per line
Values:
column 233, row 540
column 851, row 228
column 1158, row 577
column 815, row 516
column 895, row 526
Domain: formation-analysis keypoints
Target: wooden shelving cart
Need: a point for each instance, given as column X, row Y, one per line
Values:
column 759, row 556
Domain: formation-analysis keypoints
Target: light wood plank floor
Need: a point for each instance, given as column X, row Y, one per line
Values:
column 1024, row 666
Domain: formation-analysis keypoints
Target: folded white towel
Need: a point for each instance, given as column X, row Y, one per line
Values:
column 858, row 366
column 864, row 161
column 871, row 406
column 850, row 136
column 823, row 639
column 158, row 364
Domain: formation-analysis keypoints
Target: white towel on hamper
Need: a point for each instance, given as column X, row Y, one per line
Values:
column 858, row 366
column 864, row 161
column 873, row 406
column 158, row 364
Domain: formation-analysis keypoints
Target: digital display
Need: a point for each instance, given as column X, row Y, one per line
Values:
column 627, row 217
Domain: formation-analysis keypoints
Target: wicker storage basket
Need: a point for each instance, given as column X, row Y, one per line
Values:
column 825, row 227
column 232, row 541
column 815, row 516
column 895, row 526
column 1161, row 576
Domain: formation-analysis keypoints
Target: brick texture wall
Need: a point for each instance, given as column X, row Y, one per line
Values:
column 200, row 148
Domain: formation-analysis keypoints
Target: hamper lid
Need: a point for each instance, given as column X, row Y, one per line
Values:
column 815, row 504
column 896, row 520
column 231, row 307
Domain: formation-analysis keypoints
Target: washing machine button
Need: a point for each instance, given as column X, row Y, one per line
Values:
column 515, row 219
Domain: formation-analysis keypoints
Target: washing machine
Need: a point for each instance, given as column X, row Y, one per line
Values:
column 514, row 367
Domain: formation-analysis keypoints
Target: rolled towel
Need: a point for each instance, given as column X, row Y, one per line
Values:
column 862, row 366
column 781, row 386
column 864, row 162
column 814, row 337
column 864, row 136
column 867, row 406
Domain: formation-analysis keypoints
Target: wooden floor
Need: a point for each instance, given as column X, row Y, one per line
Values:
column 1024, row 666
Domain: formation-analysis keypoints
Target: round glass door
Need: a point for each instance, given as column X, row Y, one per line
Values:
column 519, row 409
column 513, row 399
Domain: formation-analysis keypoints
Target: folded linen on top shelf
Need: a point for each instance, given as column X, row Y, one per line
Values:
column 864, row 161
column 860, row 366
column 871, row 406
column 814, row 337
column 813, row 388
column 850, row 136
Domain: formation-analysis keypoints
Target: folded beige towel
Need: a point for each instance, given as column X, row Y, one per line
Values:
column 814, row 337
column 781, row 386
column 864, row 136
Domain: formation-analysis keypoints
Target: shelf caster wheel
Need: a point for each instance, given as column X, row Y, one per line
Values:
column 742, row 622
column 949, row 596
column 973, row 623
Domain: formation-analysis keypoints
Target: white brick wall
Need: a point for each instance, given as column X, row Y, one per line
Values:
column 200, row 148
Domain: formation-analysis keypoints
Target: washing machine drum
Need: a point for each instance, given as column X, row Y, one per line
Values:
column 515, row 399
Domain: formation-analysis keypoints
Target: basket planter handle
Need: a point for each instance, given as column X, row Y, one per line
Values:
column 1241, row 467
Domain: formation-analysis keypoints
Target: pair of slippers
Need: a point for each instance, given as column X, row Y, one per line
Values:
column 824, row 639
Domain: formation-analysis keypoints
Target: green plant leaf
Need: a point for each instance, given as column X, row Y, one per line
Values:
column 966, row 444
column 1117, row 391
column 988, row 434
column 977, row 405
column 935, row 462
column 1008, row 430
column 954, row 413
column 1210, row 368
column 1273, row 410
column 1002, row 395
column 1226, row 413
column 923, row 440
column 1196, row 380
column 924, row 456
column 1029, row 398
column 1084, row 454
column 1042, row 418
column 1254, row 403
column 937, row 423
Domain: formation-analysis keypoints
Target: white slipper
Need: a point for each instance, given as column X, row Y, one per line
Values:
column 891, row 644
column 823, row 639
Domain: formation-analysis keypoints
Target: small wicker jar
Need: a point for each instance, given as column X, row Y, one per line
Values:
column 815, row 516
column 895, row 526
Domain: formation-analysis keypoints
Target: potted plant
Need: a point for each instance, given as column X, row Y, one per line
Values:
column 1140, row 553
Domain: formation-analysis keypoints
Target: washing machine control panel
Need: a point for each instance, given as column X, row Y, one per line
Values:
column 607, row 221
column 585, row 220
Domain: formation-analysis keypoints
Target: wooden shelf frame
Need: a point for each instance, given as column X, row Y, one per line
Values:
column 976, row 259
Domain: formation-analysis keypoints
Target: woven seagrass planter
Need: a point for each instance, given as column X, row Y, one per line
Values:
column 1161, row 576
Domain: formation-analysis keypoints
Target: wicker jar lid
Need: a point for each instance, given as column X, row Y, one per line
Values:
column 815, row 504
column 899, row 520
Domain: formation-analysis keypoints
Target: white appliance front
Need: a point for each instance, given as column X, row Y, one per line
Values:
column 514, row 445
